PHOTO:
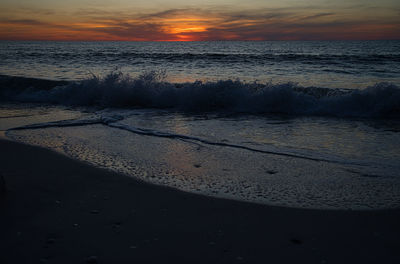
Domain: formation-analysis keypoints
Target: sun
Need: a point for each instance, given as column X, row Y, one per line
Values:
column 184, row 28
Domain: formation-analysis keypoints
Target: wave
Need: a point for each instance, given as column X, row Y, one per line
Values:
column 150, row 90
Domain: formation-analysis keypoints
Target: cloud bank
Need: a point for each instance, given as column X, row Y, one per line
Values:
column 190, row 24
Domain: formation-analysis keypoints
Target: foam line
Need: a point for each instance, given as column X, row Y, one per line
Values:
column 148, row 132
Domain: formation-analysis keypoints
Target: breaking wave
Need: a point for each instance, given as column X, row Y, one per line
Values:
column 150, row 90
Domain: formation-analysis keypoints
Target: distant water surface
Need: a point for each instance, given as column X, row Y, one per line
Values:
column 332, row 64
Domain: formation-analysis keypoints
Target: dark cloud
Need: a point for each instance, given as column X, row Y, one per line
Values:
column 26, row 22
column 35, row 11
column 259, row 16
column 170, row 13
column 140, row 31
column 96, row 13
column 319, row 15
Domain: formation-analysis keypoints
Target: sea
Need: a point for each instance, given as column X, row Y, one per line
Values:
column 305, row 124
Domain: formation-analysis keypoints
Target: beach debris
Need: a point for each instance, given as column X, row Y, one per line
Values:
column 2, row 185
column 92, row 260
column 197, row 165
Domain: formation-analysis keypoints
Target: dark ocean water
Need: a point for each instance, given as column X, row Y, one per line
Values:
column 302, row 124
column 332, row 64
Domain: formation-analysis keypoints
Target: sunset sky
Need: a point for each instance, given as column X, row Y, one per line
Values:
column 189, row 20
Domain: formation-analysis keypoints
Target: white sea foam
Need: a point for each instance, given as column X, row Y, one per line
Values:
column 150, row 90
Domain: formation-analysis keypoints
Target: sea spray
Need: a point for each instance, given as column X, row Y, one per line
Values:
column 151, row 90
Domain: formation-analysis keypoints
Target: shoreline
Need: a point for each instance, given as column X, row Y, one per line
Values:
column 3, row 136
column 59, row 210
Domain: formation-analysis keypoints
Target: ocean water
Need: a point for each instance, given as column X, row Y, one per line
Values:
column 298, row 124
column 332, row 64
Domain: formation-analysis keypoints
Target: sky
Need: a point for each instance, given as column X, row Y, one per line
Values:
column 199, row 20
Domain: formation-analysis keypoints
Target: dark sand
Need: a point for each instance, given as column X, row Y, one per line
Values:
column 58, row 210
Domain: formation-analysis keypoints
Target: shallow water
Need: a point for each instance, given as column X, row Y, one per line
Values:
column 296, row 162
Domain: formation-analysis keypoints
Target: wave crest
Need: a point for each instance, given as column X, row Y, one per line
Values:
column 150, row 90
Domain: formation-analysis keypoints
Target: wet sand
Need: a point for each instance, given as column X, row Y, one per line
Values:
column 59, row 210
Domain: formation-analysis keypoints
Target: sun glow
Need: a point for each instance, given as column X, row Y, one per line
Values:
column 186, row 29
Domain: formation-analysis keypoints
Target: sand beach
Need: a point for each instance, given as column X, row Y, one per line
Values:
column 59, row 210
